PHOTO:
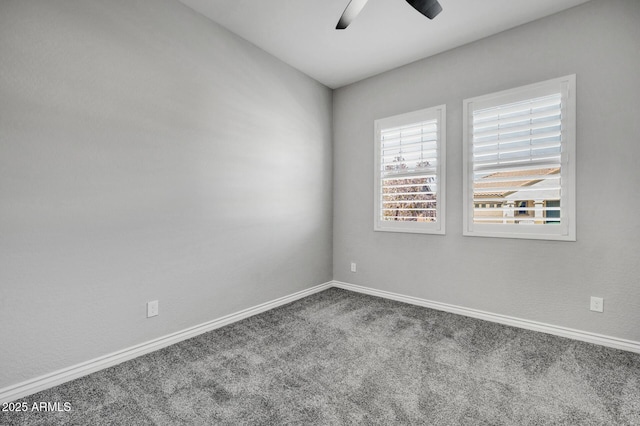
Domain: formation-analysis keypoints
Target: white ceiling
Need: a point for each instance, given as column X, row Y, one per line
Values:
column 386, row 34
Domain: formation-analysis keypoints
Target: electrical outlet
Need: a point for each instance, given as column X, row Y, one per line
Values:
column 597, row 304
column 353, row 267
column 152, row 308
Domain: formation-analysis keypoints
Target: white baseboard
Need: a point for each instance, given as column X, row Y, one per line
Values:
column 20, row 390
column 585, row 336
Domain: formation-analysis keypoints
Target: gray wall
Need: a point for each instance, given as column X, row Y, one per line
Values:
column 147, row 153
column 544, row 281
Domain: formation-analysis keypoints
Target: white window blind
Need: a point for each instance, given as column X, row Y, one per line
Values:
column 519, row 165
column 409, row 172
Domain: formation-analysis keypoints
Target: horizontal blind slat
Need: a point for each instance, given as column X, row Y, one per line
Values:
column 410, row 210
column 521, row 220
column 391, row 157
column 479, row 172
column 511, row 209
column 528, row 127
column 517, row 107
column 522, row 189
column 425, row 125
column 516, row 149
column 533, row 139
column 525, row 116
column 429, row 172
column 497, row 179
column 544, row 161
column 390, row 140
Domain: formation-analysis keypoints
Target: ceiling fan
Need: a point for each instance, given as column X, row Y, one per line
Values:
column 429, row 8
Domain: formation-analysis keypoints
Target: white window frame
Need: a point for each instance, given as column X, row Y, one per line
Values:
column 566, row 230
column 438, row 226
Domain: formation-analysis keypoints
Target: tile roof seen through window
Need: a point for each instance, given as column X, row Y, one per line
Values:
column 497, row 180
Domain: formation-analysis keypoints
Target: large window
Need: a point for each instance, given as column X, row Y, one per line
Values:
column 410, row 172
column 519, row 162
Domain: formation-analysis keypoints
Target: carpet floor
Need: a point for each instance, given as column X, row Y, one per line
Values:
column 339, row 357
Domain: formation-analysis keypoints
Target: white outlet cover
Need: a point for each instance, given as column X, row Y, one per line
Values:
column 597, row 304
column 152, row 308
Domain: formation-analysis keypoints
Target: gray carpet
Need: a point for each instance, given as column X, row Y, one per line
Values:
column 339, row 357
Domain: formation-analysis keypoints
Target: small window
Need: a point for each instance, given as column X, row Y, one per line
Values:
column 409, row 174
column 519, row 155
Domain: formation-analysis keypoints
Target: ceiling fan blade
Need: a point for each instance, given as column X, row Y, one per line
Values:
column 429, row 8
column 353, row 9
